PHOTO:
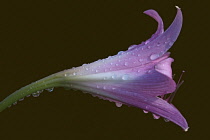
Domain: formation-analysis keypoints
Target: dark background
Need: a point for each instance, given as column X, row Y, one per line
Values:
column 39, row 38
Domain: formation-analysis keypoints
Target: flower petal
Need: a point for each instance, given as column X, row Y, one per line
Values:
column 160, row 28
column 145, row 101
column 141, row 54
column 154, row 78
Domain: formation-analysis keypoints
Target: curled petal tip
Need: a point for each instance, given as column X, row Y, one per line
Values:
column 177, row 7
column 186, row 129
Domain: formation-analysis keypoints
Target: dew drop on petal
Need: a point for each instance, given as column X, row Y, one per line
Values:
column 118, row 104
column 145, row 111
column 146, row 42
column 166, row 120
column 131, row 47
column 171, row 43
column 154, row 56
column 156, row 116
column 126, row 63
column 149, row 71
column 74, row 73
column 125, row 77
column 140, row 60
column 114, row 76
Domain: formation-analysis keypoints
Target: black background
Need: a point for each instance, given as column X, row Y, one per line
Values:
column 39, row 38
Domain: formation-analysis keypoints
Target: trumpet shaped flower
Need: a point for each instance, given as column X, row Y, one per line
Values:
column 138, row 77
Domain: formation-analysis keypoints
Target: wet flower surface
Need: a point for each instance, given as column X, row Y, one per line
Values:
column 139, row 77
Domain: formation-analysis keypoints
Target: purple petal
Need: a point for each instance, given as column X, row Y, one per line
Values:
column 142, row 54
column 144, row 101
column 160, row 28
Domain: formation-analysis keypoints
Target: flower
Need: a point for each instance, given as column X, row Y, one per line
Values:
column 138, row 77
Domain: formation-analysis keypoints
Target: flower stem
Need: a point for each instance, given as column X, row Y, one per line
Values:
column 51, row 81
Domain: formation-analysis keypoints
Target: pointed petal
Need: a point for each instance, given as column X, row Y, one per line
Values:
column 144, row 101
column 140, row 55
column 157, row 17
column 167, row 39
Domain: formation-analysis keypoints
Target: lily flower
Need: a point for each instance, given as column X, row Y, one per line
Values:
column 138, row 77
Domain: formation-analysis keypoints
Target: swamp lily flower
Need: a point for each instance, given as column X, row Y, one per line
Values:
column 138, row 77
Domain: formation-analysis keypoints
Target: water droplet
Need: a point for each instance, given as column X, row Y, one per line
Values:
column 156, row 116
column 145, row 111
column 40, row 91
column 158, row 44
column 147, row 107
column 148, row 47
column 114, row 76
column 28, row 95
column 104, row 87
column 116, row 64
column 97, row 86
column 14, row 103
column 86, row 69
column 146, row 42
column 21, row 99
column 140, row 60
column 74, row 73
column 125, row 77
column 149, row 71
column 96, row 71
column 154, row 56
column 105, row 78
column 113, row 88
column 166, row 120
column 49, row 89
column 120, row 53
column 35, row 94
column 118, row 104
column 131, row 47
column 126, row 63
column 171, row 43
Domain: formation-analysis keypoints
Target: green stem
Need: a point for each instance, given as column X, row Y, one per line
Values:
column 47, row 82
